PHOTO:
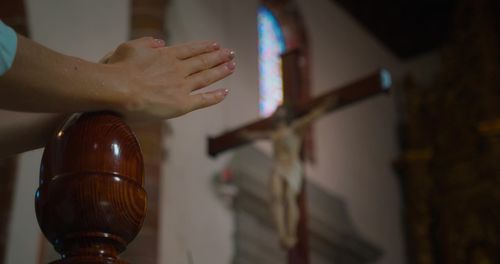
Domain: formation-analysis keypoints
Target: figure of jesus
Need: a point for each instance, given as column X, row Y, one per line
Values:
column 287, row 175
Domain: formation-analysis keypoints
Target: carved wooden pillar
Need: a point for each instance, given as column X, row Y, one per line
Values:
column 91, row 203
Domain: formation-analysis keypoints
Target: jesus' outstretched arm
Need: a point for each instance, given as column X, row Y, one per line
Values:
column 300, row 124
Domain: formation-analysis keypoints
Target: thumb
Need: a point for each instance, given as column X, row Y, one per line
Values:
column 147, row 42
column 129, row 47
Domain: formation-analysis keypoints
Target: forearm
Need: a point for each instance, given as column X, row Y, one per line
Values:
column 21, row 132
column 42, row 80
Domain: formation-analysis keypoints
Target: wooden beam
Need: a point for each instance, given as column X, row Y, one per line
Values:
column 375, row 83
column 234, row 139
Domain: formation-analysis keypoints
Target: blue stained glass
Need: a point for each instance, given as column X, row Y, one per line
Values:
column 385, row 79
column 271, row 46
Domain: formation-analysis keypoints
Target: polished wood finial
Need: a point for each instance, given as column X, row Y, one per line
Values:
column 91, row 203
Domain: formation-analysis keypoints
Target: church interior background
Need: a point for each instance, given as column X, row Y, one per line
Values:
column 405, row 177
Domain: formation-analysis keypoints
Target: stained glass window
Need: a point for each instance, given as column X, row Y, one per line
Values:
column 271, row 45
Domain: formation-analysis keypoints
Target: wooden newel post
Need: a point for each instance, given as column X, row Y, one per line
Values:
column 91, row 203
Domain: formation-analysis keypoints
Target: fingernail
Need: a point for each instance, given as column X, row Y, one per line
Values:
column 222, row 93
column 215, row 46
column 160, row 42
column 231, row 65
column 231, row 54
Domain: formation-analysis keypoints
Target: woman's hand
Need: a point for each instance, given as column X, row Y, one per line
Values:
column 142, row 79
column 158, row 82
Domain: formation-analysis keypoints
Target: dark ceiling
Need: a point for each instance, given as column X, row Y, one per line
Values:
column 406, row 27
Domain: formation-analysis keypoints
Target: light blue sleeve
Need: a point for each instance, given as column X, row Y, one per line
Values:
column 8, row 46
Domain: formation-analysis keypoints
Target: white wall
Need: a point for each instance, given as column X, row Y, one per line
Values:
column 86, row 29
column 194, row 222
column 23, row 241
column 356, row 145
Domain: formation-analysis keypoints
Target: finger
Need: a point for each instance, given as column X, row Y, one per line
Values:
column 158, row 43
column 207, row 99
column 189, row 50
column 132, row 46
column 207, row 77
column 141, row 42
column 105, row 59
column 207, row 61
column 146, row 42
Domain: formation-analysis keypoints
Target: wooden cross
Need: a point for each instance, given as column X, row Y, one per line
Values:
column 371, row 85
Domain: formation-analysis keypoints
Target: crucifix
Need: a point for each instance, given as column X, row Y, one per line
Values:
column 295, row 112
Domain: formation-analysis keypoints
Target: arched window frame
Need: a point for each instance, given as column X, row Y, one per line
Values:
column 295, row 36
